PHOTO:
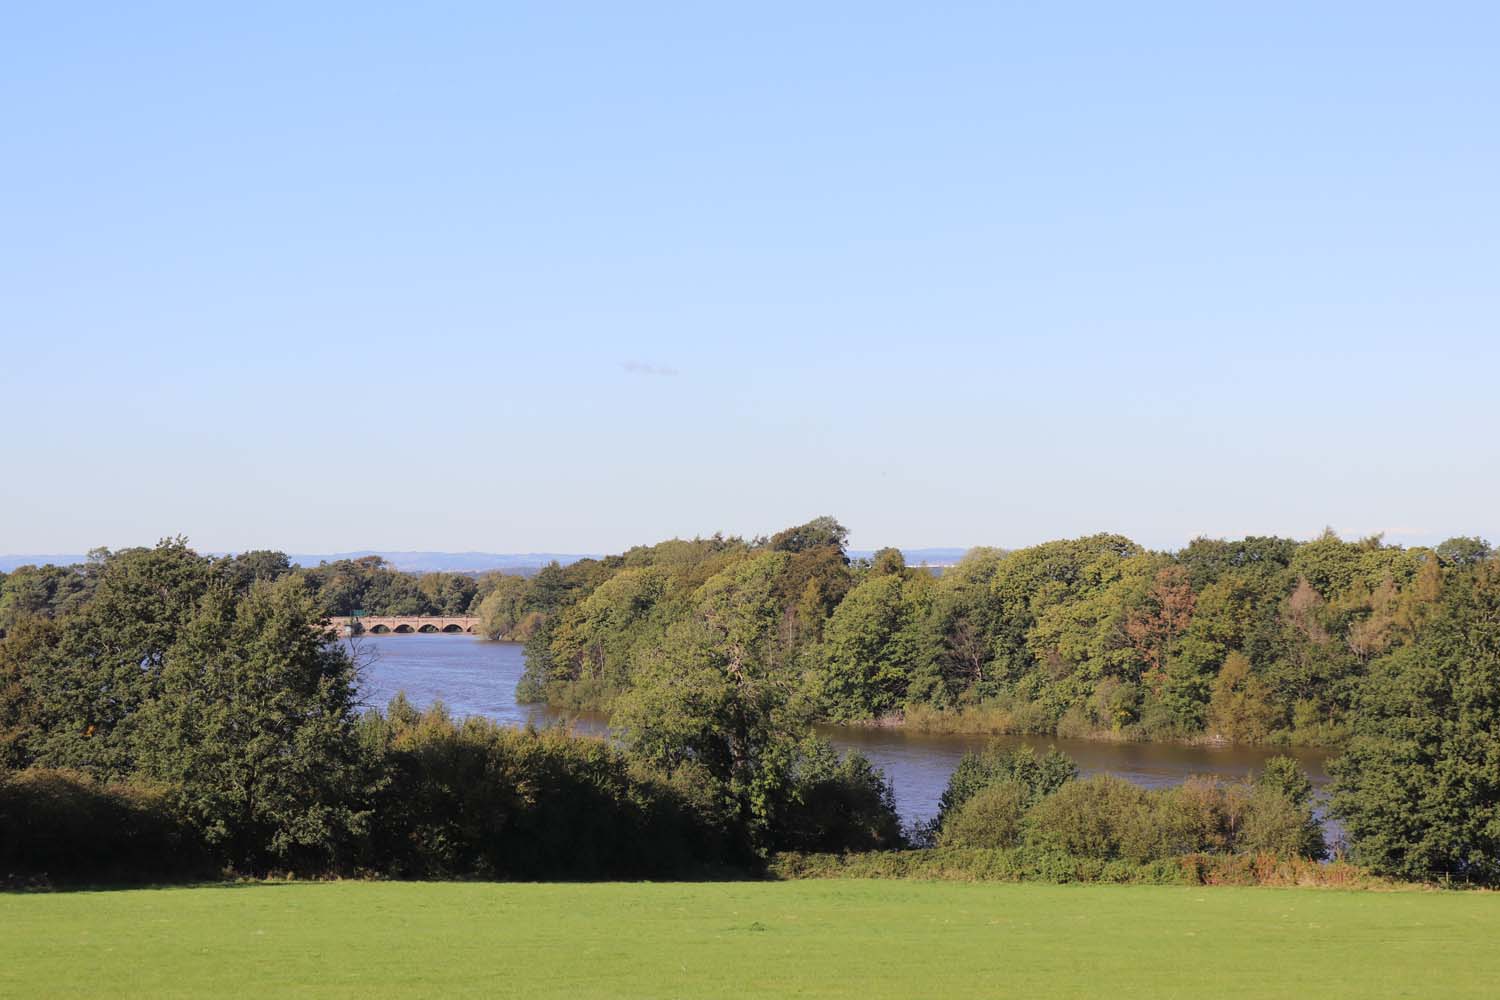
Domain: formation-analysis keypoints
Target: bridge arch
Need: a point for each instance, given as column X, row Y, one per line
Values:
column 379, row 629
column 453, row 627
column 404, row 629
column 428, row 628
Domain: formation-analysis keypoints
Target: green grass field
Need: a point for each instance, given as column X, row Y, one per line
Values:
column 814, row 938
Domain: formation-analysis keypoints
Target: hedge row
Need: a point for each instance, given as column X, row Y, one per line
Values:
column 1032, row 865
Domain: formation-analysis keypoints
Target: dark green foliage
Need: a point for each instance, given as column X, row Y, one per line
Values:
column 30, row 641
column 712, row 700
column 1418, row 788
column 714, row 655
column 817, row 533
column 1463, row 551
column 1038, row 775
column 833, row 803
column 1284, row 777
column 872, row 646
column 42, row 591
column 90, row 685
column 474, row 799
column 368, row 584
column 64, row 827
column 243, row 571
column 214, row 682
column 1075, row 637
column 253, row 729
column 1208, row 559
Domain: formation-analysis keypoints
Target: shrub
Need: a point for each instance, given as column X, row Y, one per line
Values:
column 1274, row 826
column 1098, row 817
column 992, row 817
column 1039, row 774
column 1107, row 817
column 833, row 803
column 1029, row 864
column 476, row 799
column 64, row 827
column 1199, row 815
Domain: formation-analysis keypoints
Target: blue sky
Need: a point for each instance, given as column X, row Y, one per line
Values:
column 568, row 277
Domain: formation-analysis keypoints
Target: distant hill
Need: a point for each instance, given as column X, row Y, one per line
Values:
column 468, row 562
column 451, row 562
column 8, row 563
column 410, row 562
column 918, row 557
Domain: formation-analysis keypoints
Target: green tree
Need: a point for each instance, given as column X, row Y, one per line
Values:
column 820, row 531
column 1418, row 788
column 872, row 645
column 503, row 609
column 447, row 593
column 30, row 642
column 253, row 729
column 249, row 568
column 963, row 625
column 595, row 638
column 1039, row 774
column 711, row 699
column 107, row 662
column 1463, row 551
column 52, row 591
column 1241, row 708
column 1292, row 829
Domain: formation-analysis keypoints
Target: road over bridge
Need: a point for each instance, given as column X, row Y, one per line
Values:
column 404, row 624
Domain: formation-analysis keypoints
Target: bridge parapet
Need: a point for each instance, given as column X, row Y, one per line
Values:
column 407, row 624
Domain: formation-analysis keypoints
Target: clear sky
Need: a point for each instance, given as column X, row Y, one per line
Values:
column 567, row 277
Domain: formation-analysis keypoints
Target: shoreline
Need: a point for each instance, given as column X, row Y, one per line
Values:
column 958, row 727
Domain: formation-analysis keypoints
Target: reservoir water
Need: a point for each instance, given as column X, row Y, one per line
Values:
column 474, row 676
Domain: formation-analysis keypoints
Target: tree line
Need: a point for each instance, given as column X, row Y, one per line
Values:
column 367, row 585
column 193, row 715
column 1388, row 653
column 206, row 687
column 1256, row 640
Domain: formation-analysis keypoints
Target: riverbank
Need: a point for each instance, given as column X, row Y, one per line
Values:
column 998, row 719
column 816, row 938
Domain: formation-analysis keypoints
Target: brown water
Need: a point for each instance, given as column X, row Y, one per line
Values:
column 476, row 677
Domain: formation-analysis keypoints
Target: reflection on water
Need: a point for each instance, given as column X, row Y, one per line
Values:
column 474, row 676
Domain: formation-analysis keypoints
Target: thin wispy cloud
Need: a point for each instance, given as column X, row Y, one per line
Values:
column 642, row 368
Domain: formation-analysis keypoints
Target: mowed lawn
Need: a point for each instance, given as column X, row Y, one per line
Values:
column 816, row 938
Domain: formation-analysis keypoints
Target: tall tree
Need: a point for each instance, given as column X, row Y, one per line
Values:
column 873, row 645
column 1418, row 788
column 253, row 728
column 1154, row 625
column 108, row 659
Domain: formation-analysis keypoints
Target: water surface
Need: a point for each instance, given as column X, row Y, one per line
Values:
column 470, row 675
column 474, row 676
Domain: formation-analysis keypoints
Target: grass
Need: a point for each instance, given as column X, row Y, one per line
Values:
column 853, row 939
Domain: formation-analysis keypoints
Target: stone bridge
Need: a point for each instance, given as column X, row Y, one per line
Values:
column 404, row 624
